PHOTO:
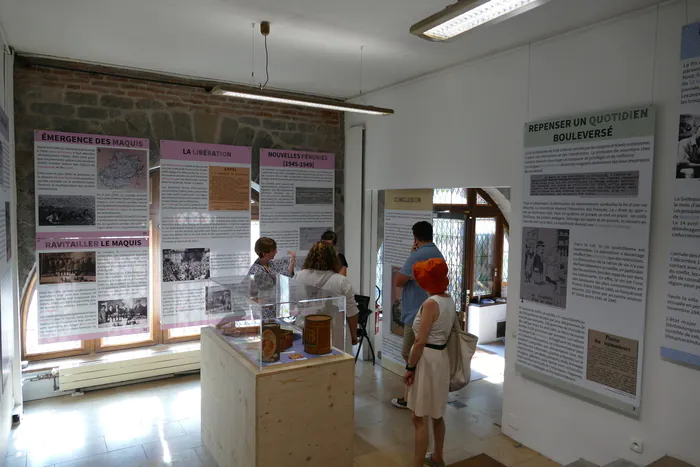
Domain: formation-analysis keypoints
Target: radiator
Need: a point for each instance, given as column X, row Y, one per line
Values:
column 115, row 369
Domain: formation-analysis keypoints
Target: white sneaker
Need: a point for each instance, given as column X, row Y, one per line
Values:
column 429, row 461
column 399, row 403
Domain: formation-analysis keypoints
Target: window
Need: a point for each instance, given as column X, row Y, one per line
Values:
column 189, row 331
column 484, row 256
column 448, row 235
column 114, row 341
column 469, row 229
column 450, row 196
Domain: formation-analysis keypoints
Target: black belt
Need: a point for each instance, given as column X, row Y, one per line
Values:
column 436, row 347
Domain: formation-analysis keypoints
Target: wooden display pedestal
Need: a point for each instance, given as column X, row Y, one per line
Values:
column 301, row 414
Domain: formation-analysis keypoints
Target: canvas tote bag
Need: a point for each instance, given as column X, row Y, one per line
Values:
column 460, row 347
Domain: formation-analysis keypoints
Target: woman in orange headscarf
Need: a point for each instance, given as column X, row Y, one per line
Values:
column 428, row 368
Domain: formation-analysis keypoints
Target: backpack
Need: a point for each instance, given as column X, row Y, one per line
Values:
column 460, row 347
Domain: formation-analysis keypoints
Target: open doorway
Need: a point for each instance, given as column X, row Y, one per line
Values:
column 471, row 230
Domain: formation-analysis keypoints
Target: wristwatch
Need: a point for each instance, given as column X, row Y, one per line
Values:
column 410, row 368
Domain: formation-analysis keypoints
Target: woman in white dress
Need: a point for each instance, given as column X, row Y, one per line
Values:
column 428, row 367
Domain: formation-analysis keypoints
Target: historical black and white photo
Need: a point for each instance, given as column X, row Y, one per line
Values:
column 122, row 312
column 66, row 267
column 545, row 266
column 218, row 300
column 66, row 210
column 191, row 264
column 688, row 151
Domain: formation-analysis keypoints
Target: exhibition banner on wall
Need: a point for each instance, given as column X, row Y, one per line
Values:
column 91, row 235
column 204, row 229
column 6, row 297
column 682, row 336
column 586, row 207
column 297, row 199
column 402, row 209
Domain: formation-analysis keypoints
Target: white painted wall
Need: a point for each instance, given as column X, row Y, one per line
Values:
column 353, row 204
column 8, row 289
column 464, row 127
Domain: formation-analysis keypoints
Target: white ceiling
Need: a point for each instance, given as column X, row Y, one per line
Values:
column 314, row 45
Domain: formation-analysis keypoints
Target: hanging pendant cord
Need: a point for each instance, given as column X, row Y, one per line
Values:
column 362, row 49
column 267, row 65
column 252, row 68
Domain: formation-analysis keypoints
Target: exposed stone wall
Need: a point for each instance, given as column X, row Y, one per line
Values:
column 69, row 97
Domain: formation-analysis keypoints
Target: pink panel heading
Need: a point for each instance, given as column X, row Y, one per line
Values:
column 203, row 152
column 75, row 242
column 90, row 140
column 297, row 159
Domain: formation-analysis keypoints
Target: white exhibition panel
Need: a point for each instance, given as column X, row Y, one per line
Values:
column 402, row 209
column 297, row 199
column 92, row 236
column 204, row 229
column 463, row 127
column 682, row 335
column 585, row 211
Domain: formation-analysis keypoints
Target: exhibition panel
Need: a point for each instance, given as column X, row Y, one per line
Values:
column 204, row 225
column 91, row 235
column 586, row 216
column 682, row 333
column 6, row 337
column 297, row 198
column 403, row 208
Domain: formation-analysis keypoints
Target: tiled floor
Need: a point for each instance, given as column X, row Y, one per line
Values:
column 157, row 424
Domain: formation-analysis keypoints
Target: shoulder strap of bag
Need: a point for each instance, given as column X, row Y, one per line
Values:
column 325, row 281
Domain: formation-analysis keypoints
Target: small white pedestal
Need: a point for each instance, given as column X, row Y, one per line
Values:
column 483, row 321
column 286, row 415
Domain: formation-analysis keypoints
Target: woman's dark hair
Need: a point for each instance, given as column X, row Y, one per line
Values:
column 423, row 231
column 330, row 236
column 264, row 245
column 322, row 257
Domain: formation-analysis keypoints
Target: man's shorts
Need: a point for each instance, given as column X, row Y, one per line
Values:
column 408, row 339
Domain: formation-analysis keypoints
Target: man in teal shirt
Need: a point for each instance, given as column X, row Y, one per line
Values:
column 412, row 296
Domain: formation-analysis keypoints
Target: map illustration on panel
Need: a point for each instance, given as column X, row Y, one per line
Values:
column 121, row 169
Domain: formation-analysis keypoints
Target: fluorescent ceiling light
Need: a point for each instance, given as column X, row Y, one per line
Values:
column 464, row 15
column 243, row 92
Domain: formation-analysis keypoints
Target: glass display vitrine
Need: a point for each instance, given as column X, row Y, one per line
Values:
column 276, row 320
